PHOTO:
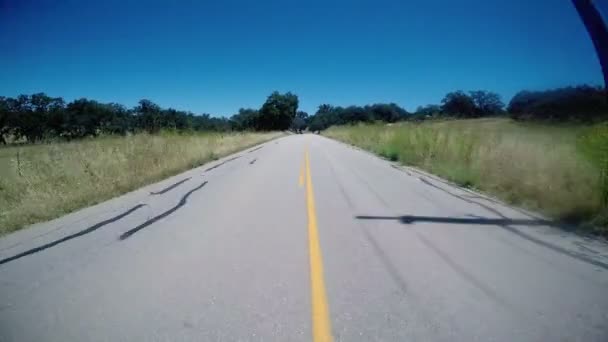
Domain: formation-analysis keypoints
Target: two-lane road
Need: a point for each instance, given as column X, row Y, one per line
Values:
column 301, row 239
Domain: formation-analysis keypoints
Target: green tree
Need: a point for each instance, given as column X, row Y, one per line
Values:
column 299, row 122
column 120, row 120
column 353, row 114
column 85, row 117
column 486, row 103
column 458, row 104
column 428, row 110
column 148, row 116
column 246, row 119
column 325, row 116
column 386, row 112
column 316, row 124
column 278, row 111
column 581, row 103
column 5, row 119
column 30, row 120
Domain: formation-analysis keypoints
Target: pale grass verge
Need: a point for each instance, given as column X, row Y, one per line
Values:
column 535, row 166
column 42, row 182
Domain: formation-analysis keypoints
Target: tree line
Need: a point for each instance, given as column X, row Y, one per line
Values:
column 328, row 115
column 457, row 104
column 38, row 116
column 581, row 103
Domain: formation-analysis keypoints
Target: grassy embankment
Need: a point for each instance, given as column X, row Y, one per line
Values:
column 559, row 170
column 41, row 182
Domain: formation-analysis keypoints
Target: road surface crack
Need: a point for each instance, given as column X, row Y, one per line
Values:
column 222, row 163
column 73, row 236
column 159, row 217
column 170, row 187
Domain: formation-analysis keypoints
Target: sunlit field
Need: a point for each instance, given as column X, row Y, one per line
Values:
column 43, row 181
column 559, row 170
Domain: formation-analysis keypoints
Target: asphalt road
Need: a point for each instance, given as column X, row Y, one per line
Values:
column 302, row 239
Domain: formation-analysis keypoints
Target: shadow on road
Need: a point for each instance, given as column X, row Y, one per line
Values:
column 408, row 219
column 504, row 223
column 469, row 200
column 170, row 187
column 73, row 236
column 180, row 204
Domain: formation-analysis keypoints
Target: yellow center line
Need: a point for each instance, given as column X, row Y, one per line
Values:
column 301, row 179
column 321, row 326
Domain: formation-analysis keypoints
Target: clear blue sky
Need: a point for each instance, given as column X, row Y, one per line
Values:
column 218, row 56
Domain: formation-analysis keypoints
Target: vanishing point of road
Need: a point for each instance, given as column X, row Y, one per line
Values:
column 302, row 239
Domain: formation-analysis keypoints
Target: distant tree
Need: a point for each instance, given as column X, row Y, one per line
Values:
column 316, row 124
column 298, row 125
column 328, row 115
column 458, row 104
column 246, row 119
column 319, row 121
column 55, row 117
column 218, row 124
column 38, row 116
column 325, row 109
column 353, row 114
column 30, row 118
column 278, row 111
column 299, row 122
column 386, row 112
column 85, row 117
column 171, row 119
column 521, row 103
column 486, row 103
column 5, row 119
column 428, row 110
column 581, row 103
column 119, row 119
column 148, row 116
column 302, row 115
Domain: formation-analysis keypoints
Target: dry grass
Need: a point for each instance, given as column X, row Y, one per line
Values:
column 536, row 166
column 41, row 182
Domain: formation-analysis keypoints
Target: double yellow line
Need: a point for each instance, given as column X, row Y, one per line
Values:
column 321, row 326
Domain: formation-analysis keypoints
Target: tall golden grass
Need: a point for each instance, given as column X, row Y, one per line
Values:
column 537, row 166
column 41, row 182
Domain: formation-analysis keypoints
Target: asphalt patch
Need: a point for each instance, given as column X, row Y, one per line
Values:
column 73, row 236
column 170, row 187
column 151, row 221
column 222, row 163
column 255, row 149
